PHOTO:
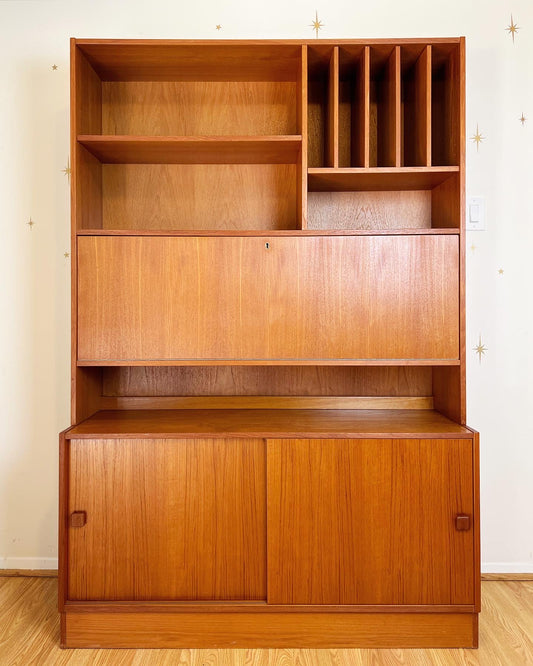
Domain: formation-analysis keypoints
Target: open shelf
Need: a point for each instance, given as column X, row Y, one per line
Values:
column 378, row 178
column 112, row 149
column 278, row 423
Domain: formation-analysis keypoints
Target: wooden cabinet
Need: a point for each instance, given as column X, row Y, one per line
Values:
column 370, row 521
column 268, row 444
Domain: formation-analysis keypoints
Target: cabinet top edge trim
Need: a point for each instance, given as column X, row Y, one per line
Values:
column 84, row 42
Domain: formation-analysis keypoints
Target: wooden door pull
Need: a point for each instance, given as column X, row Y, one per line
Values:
column 462, row 522
column 78, row 518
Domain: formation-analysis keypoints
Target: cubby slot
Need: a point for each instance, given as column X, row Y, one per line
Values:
column 445, row 105
column 416, row 105
column 384, row 199
column 354, row 107
column 322, row 106
column 384, row 106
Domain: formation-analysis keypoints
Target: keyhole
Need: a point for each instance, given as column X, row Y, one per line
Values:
column 267, row 245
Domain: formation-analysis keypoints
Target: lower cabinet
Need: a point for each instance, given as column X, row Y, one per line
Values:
column 324, row 521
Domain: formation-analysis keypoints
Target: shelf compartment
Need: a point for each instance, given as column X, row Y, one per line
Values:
column 385, row 107
column 197, row 108
column 379, row 199
column 416, row 105
column 445, row 104
column 174, row 60
column 290, row 423
column 199, row 196
column 193, row 150
column 354, row 106
column 322, row 106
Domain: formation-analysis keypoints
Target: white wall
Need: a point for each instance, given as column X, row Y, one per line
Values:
column 34, row 274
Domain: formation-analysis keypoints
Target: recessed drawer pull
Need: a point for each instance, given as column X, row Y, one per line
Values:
column 462, row 522
column 78, row 518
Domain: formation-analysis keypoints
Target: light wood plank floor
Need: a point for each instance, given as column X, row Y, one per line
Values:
column 29, row 629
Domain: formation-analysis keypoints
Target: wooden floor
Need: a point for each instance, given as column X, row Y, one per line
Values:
column 29, row 628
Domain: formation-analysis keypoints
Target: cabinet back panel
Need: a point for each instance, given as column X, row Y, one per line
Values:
column 199, row 196
column 409, row 209
column 312, row 298
column 139, row 381
column 168, row 519
column 177, row 108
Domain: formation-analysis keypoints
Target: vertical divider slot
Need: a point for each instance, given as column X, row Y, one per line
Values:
column 301, row 172
column 320, row 93
column 445, row 105
column 385, row 106
column 332, row 156
column 354, row 82
column 416, row 105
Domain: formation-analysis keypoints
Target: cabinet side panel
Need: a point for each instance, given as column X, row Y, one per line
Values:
column 167, row 519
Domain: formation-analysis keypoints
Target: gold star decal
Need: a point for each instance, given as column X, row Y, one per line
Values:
column 480, row 349
column 54, row 67
column 477, row 138
column 218, row 26
column 500, row 271
column 30, row 224
column 316, row 24
column 473, row 247
column 523, row 119
column 66, row 170
column 66, row 255
column 512, row 29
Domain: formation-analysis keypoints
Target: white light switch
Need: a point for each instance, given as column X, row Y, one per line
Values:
column 476, row 214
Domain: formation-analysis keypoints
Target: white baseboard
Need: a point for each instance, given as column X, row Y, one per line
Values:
column 28, row 562
column 51, row 563
column 507, row 567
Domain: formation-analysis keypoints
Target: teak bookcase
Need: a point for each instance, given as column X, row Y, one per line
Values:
column 268, row 444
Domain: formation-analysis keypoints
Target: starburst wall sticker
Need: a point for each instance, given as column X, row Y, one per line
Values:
column 477, row 138
column 512, row 28
column 316, row 24
column 480, row 349
column 522, row 119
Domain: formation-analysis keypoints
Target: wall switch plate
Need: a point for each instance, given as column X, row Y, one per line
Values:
column 475, row 214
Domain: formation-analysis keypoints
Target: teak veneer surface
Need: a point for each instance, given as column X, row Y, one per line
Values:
column 268, row 423
column 168, row 519
column 194, row 149
column 361, row 521
column 309, row 298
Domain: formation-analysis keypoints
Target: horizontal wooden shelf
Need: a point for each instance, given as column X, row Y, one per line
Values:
column 268, row 233
column 278, row 423
column 83, row 362
column 114, row 149
column 378, row 178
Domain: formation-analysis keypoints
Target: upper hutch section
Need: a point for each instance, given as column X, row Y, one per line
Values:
column 267, row 136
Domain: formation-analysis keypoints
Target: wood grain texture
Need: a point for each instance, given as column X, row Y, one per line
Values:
column 393, row 381
column 232, row 298
column 167, row 519
column 199, row 196
column 302, row 124
column 269, row 630
column 193, row 108
column 265, row 402
column 168, row 423
column 30, row 624
column 112, row 149
column 370, row 210
column 385, row 509
column 446, row 203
